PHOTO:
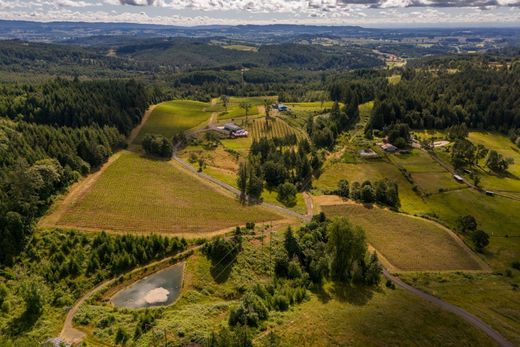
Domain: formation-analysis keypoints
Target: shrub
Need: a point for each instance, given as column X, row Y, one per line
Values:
column 154, row 144
column 287, row 194
column 480, row 240
column 251, row 311
column 516, row 265
column 281, row 302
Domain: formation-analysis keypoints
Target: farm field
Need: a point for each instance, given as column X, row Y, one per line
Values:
column 409, row 243
column 309, row 106
column 144, row 195
column 491, row 297
column 430, row 176
column 276, row 128
column 369, row 317
column 172, row 117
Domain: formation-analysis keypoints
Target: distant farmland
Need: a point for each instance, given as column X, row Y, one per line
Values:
column 144, row 195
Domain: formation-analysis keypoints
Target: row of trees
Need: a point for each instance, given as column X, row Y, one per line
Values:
column 384, row 192
column 157, row 145
column 468, row 225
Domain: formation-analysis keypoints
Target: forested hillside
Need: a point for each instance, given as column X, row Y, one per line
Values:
column 55, row 133
column 480, row 97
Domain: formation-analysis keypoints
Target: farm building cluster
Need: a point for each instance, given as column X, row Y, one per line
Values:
column 235, row 131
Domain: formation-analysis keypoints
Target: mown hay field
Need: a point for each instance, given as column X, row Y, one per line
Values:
column 145, row 195
column 409, row 243
column 172, row 117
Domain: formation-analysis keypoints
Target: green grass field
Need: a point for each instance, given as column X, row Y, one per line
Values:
column 140, row 194
column 410, row 201
column 409, row 243
column 394, row 79
column 171, row 117
column 430, row 176
column 496, row 215
column 309, row 106
column 490, row 297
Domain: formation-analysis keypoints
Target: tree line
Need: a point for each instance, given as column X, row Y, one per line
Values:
column 481, row 97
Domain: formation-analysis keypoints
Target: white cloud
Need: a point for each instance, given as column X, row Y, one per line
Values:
column 330, row 12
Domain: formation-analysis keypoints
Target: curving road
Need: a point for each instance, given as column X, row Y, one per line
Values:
column 468, row 317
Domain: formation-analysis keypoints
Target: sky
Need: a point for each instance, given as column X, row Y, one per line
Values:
column 367, row 13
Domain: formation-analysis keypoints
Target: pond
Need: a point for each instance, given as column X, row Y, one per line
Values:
column 159, row 289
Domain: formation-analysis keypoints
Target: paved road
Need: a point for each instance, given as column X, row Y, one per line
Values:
column 468, row 317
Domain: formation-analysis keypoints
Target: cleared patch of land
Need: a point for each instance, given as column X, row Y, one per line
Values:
column 172, row 117
column 409, row 243
column 145, row 195
column 490, row 297
column 426, row 173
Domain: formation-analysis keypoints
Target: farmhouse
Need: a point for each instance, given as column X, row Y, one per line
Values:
column 235, row 130
column 388, row 147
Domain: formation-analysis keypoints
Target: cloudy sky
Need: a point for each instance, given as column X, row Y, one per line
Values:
column 370, row 13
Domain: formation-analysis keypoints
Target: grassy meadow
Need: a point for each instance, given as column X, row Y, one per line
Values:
column 171, row 117
column 145, row 195
column 409, row 243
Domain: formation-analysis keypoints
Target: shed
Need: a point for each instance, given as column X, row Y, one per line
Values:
column 388, row 147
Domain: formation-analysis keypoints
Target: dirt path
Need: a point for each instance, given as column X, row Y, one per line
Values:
column 75, row 193
column 71, row 335
column 468, row 317
column 234, row 190
column 309, row 204
column 135, row 131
